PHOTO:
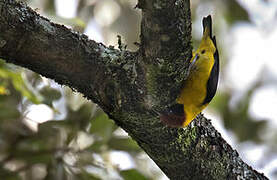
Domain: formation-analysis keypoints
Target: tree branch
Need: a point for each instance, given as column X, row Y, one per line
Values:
column 128, row 85
column 70, row 58
column 166, row 45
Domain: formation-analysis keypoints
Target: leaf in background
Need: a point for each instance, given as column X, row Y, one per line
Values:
column 57, row 171
column 51, row 127
column 123, row 144
column 84, row 175
column 81, row 117
column 4, row 90
column 132, row 174
column 4, row 73
column 240, row 114
column 50, row 95
column 235, row 12
column 34, row 157
column 49, row 6
column 19, row 84
column 97, row 146
column 221, row 101
column 7, row 112
column 101, row 125
column 8, row 175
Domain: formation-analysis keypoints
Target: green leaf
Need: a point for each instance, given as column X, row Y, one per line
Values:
column 123, row 144
column 50, row 95
column 103, row 126
column 9, row 113
column 132, row 174
column 4, row 73
column 84, row 175
column 96, row 147
column 80, row 119
column 240, row 13
column 21, row 86
column 34, row 157
column 8, row 175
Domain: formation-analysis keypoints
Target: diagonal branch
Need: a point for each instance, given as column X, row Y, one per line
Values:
column 70, row 58
column 128, row 85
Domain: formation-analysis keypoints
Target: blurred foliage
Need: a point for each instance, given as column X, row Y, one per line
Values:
column 234, row 12
column 238, row 119
column 132, row 174
column 8, row 75
column 230, row 10
column 77, row 142
column 58, row 149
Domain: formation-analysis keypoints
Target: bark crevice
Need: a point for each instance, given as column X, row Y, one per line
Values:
column 128, row 85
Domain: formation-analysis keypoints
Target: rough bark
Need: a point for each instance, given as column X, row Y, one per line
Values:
column 129, row 86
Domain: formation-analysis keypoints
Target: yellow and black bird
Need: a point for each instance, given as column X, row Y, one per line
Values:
column 201, row 84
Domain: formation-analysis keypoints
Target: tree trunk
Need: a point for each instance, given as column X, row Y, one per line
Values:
column 129, row 86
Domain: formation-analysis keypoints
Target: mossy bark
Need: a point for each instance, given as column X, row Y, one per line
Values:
column 129, row 86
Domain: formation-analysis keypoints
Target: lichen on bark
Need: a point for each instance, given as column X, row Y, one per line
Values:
column 129, row 86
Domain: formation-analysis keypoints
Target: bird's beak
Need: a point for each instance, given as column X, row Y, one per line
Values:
column 194, row 60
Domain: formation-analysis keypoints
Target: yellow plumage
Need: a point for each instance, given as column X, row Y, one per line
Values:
column 200, row 86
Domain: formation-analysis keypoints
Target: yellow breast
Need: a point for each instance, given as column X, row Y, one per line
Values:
column 194, row 91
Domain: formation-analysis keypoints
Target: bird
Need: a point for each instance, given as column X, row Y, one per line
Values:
column 201, row 84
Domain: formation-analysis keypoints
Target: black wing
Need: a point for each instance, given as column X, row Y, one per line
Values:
column 213, row 79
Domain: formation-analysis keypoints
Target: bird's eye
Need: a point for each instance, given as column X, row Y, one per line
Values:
column 203, row 51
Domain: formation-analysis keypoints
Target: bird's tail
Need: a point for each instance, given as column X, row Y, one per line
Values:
column 207, row 25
